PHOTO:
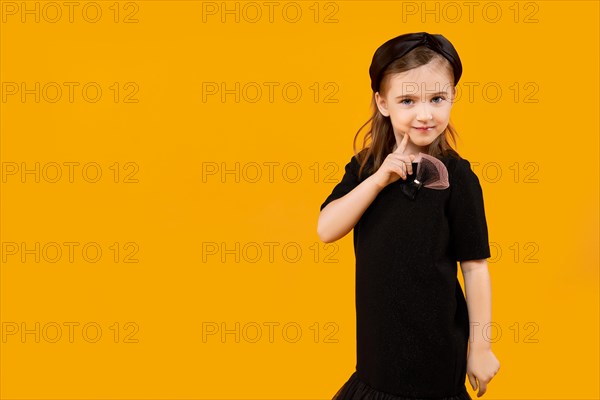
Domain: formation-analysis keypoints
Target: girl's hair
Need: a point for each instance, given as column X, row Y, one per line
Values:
column 381, row 133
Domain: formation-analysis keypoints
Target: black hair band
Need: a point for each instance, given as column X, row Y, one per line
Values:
column 401, row 45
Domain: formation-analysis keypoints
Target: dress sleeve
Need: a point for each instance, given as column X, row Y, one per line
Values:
column 349, row 181
column 468, row 225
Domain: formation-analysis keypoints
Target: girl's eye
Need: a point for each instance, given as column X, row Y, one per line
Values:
column 441, row 98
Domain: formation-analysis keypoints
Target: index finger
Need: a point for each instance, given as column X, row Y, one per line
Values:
column 402, row 146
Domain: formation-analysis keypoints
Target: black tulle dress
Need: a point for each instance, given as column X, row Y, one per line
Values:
column 412, row 320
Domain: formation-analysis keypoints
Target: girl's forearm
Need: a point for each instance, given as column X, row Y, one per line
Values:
column 478, row 290
column 339, row 217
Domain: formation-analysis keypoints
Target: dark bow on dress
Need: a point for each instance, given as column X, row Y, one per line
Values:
column 428, row 172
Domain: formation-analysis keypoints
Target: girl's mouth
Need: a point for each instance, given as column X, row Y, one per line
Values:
column 425, row 128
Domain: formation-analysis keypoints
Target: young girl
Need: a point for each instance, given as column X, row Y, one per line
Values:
column 416, row 208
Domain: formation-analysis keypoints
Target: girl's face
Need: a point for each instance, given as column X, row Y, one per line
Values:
column 419, row 98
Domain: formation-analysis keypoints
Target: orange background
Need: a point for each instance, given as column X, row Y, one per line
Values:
column 192, row 238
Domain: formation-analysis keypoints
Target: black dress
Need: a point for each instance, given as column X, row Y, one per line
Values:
column 412, row 319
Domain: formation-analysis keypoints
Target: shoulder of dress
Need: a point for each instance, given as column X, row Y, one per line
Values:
column 457, row 166
column 361, row 155
column 463, row 172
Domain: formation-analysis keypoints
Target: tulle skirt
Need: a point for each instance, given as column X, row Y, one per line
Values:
column 355, row 389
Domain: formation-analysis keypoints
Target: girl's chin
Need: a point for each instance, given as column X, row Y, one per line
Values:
column 421, row 143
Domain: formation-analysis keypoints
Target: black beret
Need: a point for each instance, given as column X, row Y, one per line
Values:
column 400, row 45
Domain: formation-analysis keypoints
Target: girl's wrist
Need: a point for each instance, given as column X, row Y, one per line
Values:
column 374, row 180
column 479, row 347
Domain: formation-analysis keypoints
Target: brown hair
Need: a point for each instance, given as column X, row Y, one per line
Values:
column 381, row 134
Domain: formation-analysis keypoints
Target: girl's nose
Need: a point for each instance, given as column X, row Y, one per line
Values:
column 424, row 114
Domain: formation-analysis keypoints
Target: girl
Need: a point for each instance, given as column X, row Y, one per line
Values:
column 416, row 209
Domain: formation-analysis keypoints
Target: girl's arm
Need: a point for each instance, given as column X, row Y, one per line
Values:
column 482, row 364
column 479, row 300
column 339, row 217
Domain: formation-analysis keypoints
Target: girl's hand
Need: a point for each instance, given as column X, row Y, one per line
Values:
column 482, row 365
column 396, row 165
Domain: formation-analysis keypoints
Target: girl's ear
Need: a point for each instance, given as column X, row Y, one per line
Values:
column 381, row 105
